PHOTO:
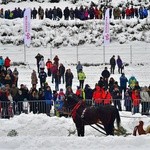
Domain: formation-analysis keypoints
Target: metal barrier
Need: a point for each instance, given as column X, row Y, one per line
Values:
column 9, row 109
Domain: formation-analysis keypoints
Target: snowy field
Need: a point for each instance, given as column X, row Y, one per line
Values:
column 42, row 132
column 39, row 132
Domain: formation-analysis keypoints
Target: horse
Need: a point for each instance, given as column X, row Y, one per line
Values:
column 83, row 115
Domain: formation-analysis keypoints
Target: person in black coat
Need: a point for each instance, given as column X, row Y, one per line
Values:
column 88, row 95
column 38, row 58
column 59, row 13
column 42, row 77
column 117, row 96
column 112, row 64
column 57, row 80
column 4, row 102
column 50, row 13
column 62, row 73
column 105, row 73
column 68, row 78
column 66, row 13
column 76, row 13
column 101, row 82
column 19, row 98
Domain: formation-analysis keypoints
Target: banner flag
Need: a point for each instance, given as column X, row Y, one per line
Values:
column 27, row 26
column 106, row 28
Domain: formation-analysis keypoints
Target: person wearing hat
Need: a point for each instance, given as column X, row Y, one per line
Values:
column 123, row 83
column 80, row 93
column 7, row 63
column 112, row 64
column 119, row 64
column 105, row 74
column 38, row 58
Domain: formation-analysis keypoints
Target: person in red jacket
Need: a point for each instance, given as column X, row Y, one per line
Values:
column 49, row 66
column 96, row 13
column 7, row 63
column 135, row 101
column 128, row 13
column 97, row 96
column 107, row 97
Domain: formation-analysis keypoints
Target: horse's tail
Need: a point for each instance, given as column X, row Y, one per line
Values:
column 118, row 120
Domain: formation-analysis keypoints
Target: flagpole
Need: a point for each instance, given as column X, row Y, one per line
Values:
column 106, row 33
column 27, row 30
column 24, row 53
column 106, row 28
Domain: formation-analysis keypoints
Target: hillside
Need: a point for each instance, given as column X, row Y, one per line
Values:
column 73, row 32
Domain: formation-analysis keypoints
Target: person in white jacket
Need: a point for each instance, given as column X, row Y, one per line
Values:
column 145, row 100
column 42, row 64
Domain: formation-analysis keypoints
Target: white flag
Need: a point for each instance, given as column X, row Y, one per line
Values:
column 27, row 26
column 106, row 28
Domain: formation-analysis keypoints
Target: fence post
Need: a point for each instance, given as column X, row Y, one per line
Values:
column 130, row 54
column 77, row 53
column 103, row 54
column 51, row 52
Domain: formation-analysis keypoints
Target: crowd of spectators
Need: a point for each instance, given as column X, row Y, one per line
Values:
column 17, row 99
column 83, row 13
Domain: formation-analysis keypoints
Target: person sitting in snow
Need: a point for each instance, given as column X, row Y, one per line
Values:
column 139, row 129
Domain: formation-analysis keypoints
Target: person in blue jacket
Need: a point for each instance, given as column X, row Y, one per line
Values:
column 48, row 99
column 1, row 63
column 123, row 83
column 119, row 64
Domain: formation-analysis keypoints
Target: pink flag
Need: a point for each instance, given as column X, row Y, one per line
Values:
column 27, row 26
column 106, row 28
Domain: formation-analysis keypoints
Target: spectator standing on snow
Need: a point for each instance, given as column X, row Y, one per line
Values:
column 34, row 13
column 117, row 96
column 66, row 13
column 145, row 100
column 81, row 78
column 16, row 76
column 119, row 64
column 135, row 101
column 34, row 79
column 54, row 70
column 49, row 66
column 48, row 99
column 68, row 78
column 56, row 61
column 42, row 64
column 1, row 63
column 62, row 73
column 105, row 74
column 112, row 64
column 42, row 77
column 7, row 63
column 57, row 80
column 38, row 58
column 127, row 101
column 79, row 67
column 123, row 83
column 132, row 81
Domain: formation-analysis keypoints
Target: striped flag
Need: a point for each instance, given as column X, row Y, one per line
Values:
column 106, row 28
column 27, row 26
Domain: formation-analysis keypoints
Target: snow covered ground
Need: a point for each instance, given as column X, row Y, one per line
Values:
column 39, row 132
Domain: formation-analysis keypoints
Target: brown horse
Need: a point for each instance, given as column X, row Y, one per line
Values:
column 82, row 115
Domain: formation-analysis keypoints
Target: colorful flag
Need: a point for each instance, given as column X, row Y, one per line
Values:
column 106, row 28
column 27, row 26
